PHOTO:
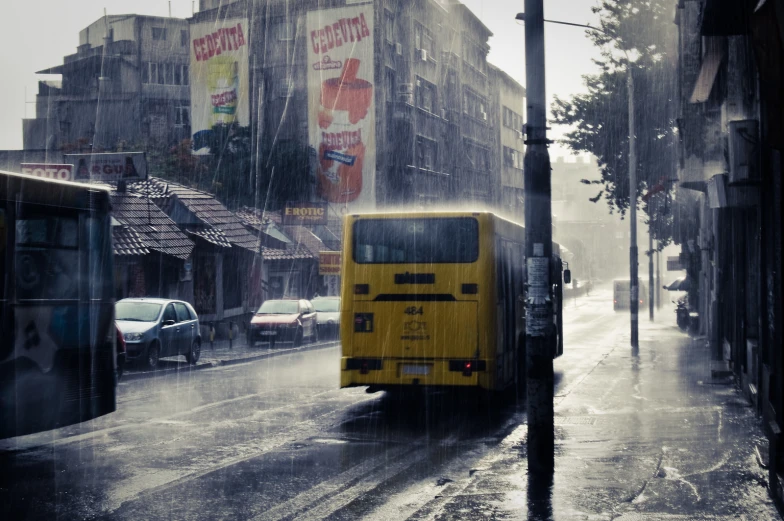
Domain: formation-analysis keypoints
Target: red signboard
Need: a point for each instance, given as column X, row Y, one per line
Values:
column 329, row 263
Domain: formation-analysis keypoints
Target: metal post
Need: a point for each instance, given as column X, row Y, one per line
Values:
column 634, row 293
column 539, row 337
column 650, row 271
column 658, row 279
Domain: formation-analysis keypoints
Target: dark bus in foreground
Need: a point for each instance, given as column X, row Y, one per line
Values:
column 57, row 333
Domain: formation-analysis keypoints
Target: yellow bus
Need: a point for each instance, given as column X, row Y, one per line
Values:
column 435, row 299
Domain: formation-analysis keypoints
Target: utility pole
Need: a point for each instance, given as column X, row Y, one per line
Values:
column 539, row 334
column 650, row 271
column 658, row 277
column 634, row 288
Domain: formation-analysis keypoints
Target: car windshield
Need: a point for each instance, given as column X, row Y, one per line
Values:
column 327, row 305
column 278, row 307
column 137, row 311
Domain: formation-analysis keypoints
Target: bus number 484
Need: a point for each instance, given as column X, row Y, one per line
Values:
column 413, row 310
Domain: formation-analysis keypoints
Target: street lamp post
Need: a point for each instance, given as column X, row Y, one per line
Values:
column 634, row 286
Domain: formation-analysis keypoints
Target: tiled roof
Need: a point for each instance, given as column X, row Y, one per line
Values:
column 202, row 205
column 305, row 238
column 291, row 254
column 211, row 235
column 154, row 228
column 127, row 242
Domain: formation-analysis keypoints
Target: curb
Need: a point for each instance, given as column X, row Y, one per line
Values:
column 127, row 377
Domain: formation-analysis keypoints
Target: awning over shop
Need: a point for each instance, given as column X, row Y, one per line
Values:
column 679, row 284
column 711, row 61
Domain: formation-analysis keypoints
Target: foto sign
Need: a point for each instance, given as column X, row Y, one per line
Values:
column 111, row 167
column 305, row 213
column 60, row 172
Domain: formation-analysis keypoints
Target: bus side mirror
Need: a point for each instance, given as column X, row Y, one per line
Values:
column 567, row 276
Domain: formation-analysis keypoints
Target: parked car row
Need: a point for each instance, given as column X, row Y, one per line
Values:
column 295, row 321
column 151, row 328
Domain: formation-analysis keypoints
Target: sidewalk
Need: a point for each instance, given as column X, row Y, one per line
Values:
column 219, row 353
column 650, row 436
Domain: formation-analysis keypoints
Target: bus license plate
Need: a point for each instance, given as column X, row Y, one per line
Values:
column 419, row 370
column 268, row 333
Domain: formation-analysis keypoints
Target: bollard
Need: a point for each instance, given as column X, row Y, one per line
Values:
column 212, row 336
column 231, row 333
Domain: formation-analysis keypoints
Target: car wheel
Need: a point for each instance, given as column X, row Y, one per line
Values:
column 193, row 355
column 298, row 337
column 153, row 355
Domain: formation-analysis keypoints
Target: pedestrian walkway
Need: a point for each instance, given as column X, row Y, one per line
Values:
column 647, row 435
column 222, row 352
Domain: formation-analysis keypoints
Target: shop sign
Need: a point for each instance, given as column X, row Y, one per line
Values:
column 329, row 263
column 110, row 167
column 48, row 171
column 305, row 213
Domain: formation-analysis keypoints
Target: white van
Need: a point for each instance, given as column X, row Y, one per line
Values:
column 621, row 294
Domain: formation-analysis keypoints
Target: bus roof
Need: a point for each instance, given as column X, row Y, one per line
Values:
column 52, row 192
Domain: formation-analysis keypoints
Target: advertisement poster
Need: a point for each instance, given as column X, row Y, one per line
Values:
column 341, row 108
column 109, row 167
column 219, row 77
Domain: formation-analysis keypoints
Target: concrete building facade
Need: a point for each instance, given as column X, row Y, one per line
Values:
column 126, row 86
column 728, row 219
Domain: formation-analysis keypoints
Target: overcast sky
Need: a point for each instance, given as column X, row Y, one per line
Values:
column 36, row 34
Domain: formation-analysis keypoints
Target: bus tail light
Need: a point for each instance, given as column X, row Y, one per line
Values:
column 361, row 289
column 470, row 289
column 467, row 367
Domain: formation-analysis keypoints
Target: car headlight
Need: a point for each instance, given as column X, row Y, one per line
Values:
column 133, row 337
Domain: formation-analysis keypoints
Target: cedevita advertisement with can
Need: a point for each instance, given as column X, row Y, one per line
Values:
column 341, row 110
column 218, row 76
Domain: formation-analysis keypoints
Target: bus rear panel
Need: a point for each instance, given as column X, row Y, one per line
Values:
column 419, row 303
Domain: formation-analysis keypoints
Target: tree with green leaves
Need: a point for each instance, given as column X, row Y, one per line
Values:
column 641, row 35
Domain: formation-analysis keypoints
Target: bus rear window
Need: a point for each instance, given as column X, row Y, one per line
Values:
column 405, row 241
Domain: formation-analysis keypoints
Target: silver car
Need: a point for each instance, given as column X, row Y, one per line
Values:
column 327, row 316
column 154, row 328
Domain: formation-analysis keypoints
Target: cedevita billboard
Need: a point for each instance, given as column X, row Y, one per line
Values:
column 218, row 77
column 341, row 108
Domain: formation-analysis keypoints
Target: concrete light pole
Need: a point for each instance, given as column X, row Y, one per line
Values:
column 634, row 284
column 539, row 334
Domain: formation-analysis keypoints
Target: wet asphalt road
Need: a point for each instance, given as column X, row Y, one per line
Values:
column 276, row 439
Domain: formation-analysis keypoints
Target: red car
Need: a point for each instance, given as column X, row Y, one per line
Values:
column 283, row 321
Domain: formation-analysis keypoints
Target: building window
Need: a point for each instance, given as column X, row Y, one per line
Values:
column 474, row 56
column 391, row 82
column 478, row 157
column 165, row 73
column 284, row 31
column 513, row 158
column 153, row 72
column 423, row 40
column 158, row 33
column 474, row 105
column 389, row 26
column 512, row 119
column 426, row 153
column 425, row 95
column 182, row 115
column 283, row 87
column 184, row 38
